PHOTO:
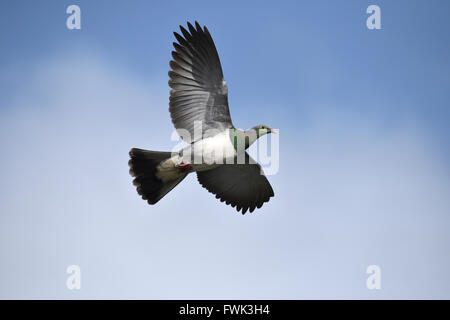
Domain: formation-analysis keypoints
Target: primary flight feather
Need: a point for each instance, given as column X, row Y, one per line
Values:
column 199, row 111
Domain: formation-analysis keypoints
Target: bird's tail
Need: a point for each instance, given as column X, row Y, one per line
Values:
column 154, row 173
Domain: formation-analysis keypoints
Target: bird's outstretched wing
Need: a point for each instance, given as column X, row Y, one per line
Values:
column 243, row 186
column 199, row 94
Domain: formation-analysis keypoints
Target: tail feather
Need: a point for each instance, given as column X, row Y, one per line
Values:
column 144, row 168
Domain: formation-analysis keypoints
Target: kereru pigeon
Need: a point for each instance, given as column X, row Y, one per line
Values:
column 199, row 111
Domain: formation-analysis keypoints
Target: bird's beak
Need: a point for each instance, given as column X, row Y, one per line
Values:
column 273, row 131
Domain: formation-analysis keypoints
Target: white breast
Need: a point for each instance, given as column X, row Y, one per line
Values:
column 213, row 151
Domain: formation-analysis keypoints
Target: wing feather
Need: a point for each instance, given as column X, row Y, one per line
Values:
column 243, row 186
column 198, row 91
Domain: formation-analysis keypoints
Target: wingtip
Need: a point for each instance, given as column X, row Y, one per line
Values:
column 191, row 28
column 178, row 37
column 184, row 31
column 197, row 25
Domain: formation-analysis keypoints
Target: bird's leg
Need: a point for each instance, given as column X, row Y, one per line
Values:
column 185, row 166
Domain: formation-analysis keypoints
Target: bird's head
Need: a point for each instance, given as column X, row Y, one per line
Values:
column 262, row 129
column 251, row 135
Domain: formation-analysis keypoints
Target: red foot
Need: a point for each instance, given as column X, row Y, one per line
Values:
column 185, row 167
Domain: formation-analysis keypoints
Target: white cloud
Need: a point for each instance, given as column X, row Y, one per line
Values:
column 346, row 197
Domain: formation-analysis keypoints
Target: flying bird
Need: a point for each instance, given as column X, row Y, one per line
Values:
column 199, row 110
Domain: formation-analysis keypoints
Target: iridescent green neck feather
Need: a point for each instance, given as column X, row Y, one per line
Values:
column 241, row 140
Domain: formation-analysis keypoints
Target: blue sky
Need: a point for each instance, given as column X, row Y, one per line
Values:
column 364, row 153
